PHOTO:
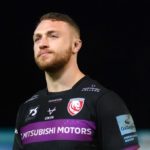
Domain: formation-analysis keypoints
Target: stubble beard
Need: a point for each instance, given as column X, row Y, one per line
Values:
column 58, row 62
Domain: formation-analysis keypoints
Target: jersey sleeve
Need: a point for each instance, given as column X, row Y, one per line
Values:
column 116, row 129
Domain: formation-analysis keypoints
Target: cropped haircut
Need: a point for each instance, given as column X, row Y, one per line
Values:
column 60, row 17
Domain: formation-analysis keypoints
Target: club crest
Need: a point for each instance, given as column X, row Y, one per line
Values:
column 75, row 105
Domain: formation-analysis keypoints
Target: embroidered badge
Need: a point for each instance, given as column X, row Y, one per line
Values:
column 75, row 105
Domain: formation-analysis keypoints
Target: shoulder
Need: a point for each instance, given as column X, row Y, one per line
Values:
column 92, row 85
column 36, row 96
column 105, row 95
column 33, row 100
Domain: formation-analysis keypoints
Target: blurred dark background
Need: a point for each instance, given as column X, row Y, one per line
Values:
column 116, row 45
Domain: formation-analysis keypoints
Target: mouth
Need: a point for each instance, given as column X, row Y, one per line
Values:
column 44, row 53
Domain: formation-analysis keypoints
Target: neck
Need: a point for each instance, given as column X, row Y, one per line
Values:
column 64, row 79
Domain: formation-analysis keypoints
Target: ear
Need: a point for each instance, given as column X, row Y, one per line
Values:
column 76, row 46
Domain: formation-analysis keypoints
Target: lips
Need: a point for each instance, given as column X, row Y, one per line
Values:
column 43, row 53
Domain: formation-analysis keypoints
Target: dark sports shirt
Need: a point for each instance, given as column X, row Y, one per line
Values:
column 86, row 117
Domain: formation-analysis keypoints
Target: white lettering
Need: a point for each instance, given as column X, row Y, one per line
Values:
column 58, row 130
column 67, row 130
column 89, row 131
column 83, row 131
column 77, row 130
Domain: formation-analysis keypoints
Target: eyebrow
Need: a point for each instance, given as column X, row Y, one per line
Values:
column 48, row 32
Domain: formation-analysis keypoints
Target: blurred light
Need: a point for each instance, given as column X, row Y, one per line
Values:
column 6, row 138
column 144, row 139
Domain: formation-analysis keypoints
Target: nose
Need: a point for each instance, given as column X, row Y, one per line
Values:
column 43, row 43
column 43, row 46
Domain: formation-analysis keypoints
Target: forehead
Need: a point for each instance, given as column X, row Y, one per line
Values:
column 54, row 25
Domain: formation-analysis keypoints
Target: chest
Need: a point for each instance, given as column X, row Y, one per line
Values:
column 58, row 118
column 78, row 106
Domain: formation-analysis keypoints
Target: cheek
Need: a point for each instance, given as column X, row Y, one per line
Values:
column 35, row 50
column 61, row 44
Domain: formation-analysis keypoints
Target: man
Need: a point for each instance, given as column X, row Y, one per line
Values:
column 74, row 112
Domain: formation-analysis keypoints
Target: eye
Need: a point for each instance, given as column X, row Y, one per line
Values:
column 35, row 39
column 54, row 36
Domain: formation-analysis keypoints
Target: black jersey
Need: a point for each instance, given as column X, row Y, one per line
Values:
column 86, row 117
